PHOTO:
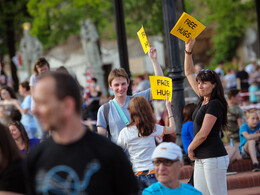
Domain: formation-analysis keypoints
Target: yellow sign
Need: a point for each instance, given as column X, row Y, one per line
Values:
column 161, row 87
column 187, row 27
column 143, row 39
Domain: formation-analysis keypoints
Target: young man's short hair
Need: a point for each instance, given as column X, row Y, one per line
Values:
column 117, row 72
column 65, row 86
column 232, row 93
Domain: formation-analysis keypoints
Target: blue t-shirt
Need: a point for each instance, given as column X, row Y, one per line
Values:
column 187, row 135
column 245, row 128
column 253, row 98
column 158, row 189
column 116, row 123
column 28, row 119
column 33, row 143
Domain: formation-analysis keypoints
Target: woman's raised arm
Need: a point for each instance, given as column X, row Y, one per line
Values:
column 189, row 67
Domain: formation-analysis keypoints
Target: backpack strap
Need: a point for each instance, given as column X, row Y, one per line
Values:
column 120, row 112
column 106, row 112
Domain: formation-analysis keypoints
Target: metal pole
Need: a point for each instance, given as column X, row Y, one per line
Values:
column 121, row 40
column 174, row 66
column 257, row 5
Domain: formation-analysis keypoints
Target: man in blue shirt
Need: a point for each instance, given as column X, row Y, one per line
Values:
column 167, row 160
column 119, row 82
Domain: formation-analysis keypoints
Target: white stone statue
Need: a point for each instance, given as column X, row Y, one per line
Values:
column 30, row 47
column 89, row 40
column 250, row 39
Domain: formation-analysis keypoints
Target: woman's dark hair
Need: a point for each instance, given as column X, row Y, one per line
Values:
column 15, row 115
column 25, row 85
column 8, row 149
column 40, row 62
column 24, row 135
column 141, row 116
column 10, row 91
column 217, row 92
column 62, row 69
column 188, row 111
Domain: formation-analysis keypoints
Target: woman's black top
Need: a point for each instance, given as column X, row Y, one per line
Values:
column 212, row 146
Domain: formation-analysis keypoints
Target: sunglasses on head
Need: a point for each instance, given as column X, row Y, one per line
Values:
column 206, row 70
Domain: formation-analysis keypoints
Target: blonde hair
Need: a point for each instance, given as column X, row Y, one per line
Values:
column 117, row 72
column 251, row 111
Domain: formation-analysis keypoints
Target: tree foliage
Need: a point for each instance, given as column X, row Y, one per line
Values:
column 55, row 20
column 230, row 17
column 13, row 15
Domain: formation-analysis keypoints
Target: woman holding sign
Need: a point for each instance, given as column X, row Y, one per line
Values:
column 139, row 138
column 210, row 118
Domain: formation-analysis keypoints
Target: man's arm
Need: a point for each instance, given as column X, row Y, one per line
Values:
column 102, row 131
column 152, row 53
column 102, row 120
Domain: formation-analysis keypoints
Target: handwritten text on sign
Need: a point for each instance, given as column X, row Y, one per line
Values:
column 187, row 27
column 143, row 39
column 161, row 87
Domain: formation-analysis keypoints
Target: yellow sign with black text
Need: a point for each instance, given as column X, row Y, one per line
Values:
column 143, row 39
column 187, row 27
column 161, row 87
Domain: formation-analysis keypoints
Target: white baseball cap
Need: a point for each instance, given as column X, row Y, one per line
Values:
column 168, row 150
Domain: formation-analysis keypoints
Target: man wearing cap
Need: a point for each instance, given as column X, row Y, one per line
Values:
column 167, row 160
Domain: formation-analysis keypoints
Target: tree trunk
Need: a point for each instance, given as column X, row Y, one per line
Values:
column 10, row 38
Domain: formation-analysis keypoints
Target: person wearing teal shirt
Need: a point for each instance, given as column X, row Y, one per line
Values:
column 167, row 160
column 252, row 89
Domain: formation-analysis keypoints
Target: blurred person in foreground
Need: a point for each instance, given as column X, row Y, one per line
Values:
column 167, row 160
column 11, row 171
column 74, row 160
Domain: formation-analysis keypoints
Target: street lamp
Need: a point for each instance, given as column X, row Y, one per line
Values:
column 121, row 40
column 174, row 65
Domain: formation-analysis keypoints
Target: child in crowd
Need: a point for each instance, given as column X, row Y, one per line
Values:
column 187, row 126
column 249, row 138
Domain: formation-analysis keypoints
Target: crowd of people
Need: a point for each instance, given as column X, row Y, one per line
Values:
column 46, row 148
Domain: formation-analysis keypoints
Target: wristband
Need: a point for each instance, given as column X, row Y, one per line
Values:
column 170, row 116
column 188, row 53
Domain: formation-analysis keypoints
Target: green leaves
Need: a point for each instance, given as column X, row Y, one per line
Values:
column 55, row 20
column 231, row 17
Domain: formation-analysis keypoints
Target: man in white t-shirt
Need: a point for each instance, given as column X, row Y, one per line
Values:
column 219, row 70
column 250, row 68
